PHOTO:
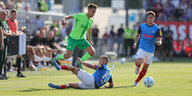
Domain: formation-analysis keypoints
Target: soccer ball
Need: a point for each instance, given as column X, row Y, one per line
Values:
column 122, row 60
column 148, row 81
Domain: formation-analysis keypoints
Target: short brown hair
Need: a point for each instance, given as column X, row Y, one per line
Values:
column 14, row 11
column 105, row 57
column 150, row 13
column 91, row 5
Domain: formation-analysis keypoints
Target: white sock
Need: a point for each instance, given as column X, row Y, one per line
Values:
column 46, row 58
column 37, row 58
column 30, row 63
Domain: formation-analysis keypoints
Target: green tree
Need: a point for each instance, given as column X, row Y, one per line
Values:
column 101, row 3
column 135, row 4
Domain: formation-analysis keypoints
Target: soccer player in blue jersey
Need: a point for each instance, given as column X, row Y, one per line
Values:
column 101, row 76
column 149, row 34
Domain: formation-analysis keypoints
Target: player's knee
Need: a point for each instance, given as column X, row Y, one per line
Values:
column 92, row 53
column 145, row 67
column 138, row 62
column 66, row 56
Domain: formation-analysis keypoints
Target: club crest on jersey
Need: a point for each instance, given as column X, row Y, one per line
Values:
column 82, row 26
column 153, row 31
column 160, row 33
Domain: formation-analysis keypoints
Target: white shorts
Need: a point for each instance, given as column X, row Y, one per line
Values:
column 87, row 80
column 148, row 57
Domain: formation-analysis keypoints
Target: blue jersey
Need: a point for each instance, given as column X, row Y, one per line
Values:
column 148, row 36
column 102, row 75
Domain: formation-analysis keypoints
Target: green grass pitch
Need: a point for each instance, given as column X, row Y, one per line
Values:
column 171, row 79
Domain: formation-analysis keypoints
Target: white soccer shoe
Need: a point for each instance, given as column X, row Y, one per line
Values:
column 135, row 84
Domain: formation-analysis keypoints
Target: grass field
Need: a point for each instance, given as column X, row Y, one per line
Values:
column 171, row 79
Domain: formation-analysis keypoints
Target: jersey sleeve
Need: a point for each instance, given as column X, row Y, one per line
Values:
column 139, row 30
column 158, row 33
column 99, row 67
column 77, row 16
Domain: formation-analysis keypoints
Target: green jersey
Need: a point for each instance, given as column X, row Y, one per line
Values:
column 5, row 25
column 81, row 25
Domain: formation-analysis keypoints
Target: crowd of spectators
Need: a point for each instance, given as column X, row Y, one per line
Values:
column 170, row 10
column 27, row 5
column 44, row 43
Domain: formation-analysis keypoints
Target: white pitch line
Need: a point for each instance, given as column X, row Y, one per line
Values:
column 27, row 86
column 11, row 81
column 21, row 86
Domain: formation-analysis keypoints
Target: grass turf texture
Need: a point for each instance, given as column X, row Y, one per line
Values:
column 171, row 79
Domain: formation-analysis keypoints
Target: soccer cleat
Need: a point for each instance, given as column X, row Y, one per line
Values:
column 20, row 75
column 55, row 58
column 79, row 65
column 137, row 70
column 56, row 65
column 5, row 76
column 136, row 83
column 54, row 86
column 54, row 62
column 2, row 77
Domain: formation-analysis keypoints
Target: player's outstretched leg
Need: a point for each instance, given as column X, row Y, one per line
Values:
column 73, row 69
column 54, row 86
column 56, row 65
column 138, row 63
column 59, row 57
column 90, row 52
column 68, row 85
column 54, row 62
column 58, row 86
column 141, row 74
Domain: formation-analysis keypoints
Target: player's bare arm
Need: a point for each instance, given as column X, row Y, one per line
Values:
column 110, row 85
column 159, row 41
column 89, row 32
column 1, row 40
column 86, row 64
column 64, row 21
column 136, row 39
column 68, row 17
column 7, row 33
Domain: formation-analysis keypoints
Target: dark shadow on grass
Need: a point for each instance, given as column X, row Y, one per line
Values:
column 190, row 81
column 122, row 86
column 117, row 87
column 33, row 89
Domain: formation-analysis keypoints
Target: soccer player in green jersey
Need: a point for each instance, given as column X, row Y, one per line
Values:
column 76, row 38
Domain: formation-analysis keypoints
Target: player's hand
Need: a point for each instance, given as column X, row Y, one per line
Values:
column 134, row 46
column 2, row 46
column 10, row 35
column 79, row 59
column 158, row 43
column 64, row 22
